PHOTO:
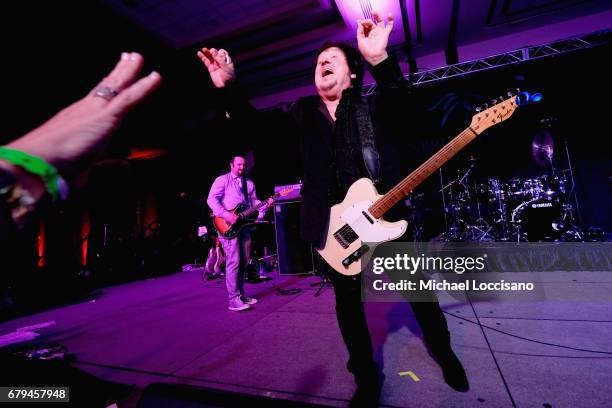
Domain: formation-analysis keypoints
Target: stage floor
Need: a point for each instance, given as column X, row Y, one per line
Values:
column 177, row 329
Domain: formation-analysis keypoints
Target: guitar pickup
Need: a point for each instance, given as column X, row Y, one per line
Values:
column 367, row 217
column 345, row 236
column 355, row 256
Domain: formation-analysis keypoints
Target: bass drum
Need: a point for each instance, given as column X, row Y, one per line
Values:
column 540, row 219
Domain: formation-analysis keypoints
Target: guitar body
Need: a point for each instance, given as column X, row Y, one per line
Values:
column 227, row 230
column 340, row 242
column 245, row 214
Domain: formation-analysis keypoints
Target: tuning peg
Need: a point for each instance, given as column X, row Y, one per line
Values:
column 485, row 105
column 478, row 109
column 501, row 98
column 493, row 101
column 510, row 94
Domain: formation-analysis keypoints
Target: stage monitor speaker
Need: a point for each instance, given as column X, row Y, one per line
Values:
column 295, row 257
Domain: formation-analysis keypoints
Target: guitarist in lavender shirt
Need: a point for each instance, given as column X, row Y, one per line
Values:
column 227, row 192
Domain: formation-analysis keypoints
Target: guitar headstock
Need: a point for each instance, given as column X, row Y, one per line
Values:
column 495, row 114
column 283, row 192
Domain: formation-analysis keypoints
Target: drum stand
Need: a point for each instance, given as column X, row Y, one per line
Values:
column 481, row 224
column 484, row 235
column 453, row 232
column 574, row 230
column 462, row 229
column 502, row 221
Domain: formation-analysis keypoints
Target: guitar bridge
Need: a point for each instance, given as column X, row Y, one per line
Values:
column 355, row 256
column 345, row 236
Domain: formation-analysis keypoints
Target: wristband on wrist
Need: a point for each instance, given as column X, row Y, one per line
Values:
column 54, row 183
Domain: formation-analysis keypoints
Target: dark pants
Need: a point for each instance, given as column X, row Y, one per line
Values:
column 356, row 335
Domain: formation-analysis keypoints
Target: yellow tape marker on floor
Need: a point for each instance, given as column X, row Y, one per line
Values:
column 411, row 374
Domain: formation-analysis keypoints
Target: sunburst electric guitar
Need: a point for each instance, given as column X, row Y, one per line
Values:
column 358, row 219
column 246, row 216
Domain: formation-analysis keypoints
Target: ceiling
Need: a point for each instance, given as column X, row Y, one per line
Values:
column 273, row 41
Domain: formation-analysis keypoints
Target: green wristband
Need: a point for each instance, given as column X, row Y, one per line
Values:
column 54, row 183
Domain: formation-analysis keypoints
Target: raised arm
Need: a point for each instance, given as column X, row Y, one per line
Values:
column 219, row 64
column 230, row 98
column 68, row 142
column 373, row 38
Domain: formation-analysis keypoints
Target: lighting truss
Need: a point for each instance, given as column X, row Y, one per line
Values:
column 509, row 58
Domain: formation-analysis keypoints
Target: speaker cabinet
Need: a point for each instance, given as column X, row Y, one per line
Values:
column 295, row 257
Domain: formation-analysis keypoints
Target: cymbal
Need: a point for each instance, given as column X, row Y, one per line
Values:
column 542, row 148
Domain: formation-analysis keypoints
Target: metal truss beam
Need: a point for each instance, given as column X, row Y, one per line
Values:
column 509, row 58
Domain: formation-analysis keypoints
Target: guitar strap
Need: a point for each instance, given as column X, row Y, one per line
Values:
column 366, row 137
column 245, row 191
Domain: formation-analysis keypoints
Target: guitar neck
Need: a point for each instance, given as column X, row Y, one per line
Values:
column 397, row 193
column 250, row 211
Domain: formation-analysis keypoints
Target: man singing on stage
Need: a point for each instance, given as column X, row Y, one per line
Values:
column 345, row 137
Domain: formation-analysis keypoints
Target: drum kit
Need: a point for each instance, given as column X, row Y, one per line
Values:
column 519, row 209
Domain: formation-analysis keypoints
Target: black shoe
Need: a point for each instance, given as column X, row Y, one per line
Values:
column 366, row 396
column 368, row 391
column 453, row 372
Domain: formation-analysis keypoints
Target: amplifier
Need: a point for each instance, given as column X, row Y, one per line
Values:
column 292, row 196
column 295, row 257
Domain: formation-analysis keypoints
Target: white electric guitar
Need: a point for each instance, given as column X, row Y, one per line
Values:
column 358, row 218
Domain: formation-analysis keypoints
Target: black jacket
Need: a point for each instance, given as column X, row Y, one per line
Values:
column 389, row 108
